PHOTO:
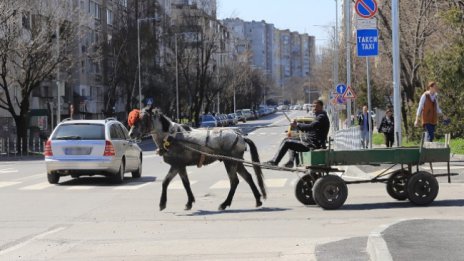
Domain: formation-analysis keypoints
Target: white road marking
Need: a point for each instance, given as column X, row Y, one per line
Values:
column 177, row 184
column 275, row 183
column 8, row 170
column 22, row 244
column 270, row 183
column 376, row 173
column 31, row 177
column 8, row 183
column 252, row 133
column 222, row 184
column 262, row 133
column 133, row 186
column 441, row 168
column 81, row 187
column 38, row 186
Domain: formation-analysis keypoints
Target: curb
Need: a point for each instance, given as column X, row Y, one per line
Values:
column 377, row 248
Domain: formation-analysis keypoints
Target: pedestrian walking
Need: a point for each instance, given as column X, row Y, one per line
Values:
column 429, row 110
column 387, row 127
column 363, row 121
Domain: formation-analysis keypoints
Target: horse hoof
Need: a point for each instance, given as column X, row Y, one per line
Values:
column 188, row 207
column 259, row 204
column 162, row 207
column 222, row 207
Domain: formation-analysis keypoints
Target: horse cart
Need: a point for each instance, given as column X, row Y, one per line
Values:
column 320, row 185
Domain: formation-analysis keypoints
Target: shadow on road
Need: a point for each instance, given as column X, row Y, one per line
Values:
column 406, row 204
column 233, row 211
column 105, row 182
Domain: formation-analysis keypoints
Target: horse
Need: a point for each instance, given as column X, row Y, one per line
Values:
column 181, row 146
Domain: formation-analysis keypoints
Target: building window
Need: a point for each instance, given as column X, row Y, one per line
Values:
column 109, row 17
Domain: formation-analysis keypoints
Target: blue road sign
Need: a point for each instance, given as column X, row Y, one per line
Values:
column 341, row 88
column 366, row 8
column 367, row 41
column 340, row 100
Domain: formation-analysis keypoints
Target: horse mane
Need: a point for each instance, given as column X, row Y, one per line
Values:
column 165, row 121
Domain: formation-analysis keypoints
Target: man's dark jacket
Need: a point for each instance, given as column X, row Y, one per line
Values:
column 316, row 131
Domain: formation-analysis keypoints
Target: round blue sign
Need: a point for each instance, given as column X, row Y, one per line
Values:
column 341, row 88
column 366, row 8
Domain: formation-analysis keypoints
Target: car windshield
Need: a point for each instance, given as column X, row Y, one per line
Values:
column 208, row 118
column 80, row 132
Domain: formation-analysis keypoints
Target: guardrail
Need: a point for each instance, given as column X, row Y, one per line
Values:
column 10, row 147
column 348, row 139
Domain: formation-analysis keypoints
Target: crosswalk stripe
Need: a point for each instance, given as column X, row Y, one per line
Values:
column 8, row 170
column 252, row 133
column 8, row 183
column 38, row 186
column 222, row 184
column 270, row 183
column 133, row 186
column 275, row 183
column 81, row 187
column 177, row 184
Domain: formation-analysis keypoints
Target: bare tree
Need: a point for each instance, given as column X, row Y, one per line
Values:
column 418, row 23
column 38, row 38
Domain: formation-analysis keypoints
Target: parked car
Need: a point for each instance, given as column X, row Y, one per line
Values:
column 241, row 117
column 222, row 120
column 232, row 119
column 248, row 114
column 91, row 147
column 208, row 121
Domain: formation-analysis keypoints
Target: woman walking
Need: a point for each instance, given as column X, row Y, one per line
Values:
column 387, row 127
column 429, row 110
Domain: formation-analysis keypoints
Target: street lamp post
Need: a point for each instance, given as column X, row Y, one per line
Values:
column 177, row 79
column 138, row 55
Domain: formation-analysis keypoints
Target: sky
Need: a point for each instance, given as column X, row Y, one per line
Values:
column 296, row 15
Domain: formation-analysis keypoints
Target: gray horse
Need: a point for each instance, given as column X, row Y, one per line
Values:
column 179, row 145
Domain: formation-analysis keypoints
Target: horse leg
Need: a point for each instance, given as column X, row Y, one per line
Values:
column 233, row 178
column 171, row 174
column 247, row 177
column 185, row 180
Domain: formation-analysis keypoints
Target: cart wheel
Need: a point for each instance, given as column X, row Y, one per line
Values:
column 304, row 189
column 330, row 192
column 397, row 185
column 422, row 188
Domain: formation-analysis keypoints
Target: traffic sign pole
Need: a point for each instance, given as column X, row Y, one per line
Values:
column 348, row 56
column 369, row 104
column 396, row 71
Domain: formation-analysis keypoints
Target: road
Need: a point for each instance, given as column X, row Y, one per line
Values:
column 90, row 219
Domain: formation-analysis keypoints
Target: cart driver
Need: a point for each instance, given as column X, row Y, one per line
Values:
column 315, row 138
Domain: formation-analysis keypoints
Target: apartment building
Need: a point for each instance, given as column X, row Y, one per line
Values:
column 281, row 54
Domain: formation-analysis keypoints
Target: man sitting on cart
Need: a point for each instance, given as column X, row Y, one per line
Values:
column 315, row 135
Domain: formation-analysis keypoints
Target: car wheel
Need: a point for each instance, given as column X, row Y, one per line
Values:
column 138, row 172
column 53, row 177
column 118, row 177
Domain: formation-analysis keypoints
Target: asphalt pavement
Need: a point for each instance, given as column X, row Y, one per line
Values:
column 91, row 219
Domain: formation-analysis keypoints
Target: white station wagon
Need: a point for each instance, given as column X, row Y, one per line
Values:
column 91, row 147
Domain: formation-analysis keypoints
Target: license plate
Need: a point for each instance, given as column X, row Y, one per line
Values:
column 77, row 151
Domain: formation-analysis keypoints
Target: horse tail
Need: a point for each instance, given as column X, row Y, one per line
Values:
column 258, row 171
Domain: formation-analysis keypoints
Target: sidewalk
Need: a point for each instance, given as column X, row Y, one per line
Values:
column 418, row 239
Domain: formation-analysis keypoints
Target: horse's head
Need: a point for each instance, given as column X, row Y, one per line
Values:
column 147, row 121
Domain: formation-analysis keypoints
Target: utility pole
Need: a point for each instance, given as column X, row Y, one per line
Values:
column 336, row 80
column 348, row 56
column 58, row 83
